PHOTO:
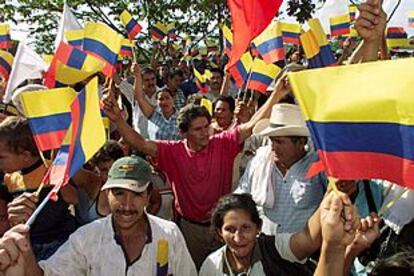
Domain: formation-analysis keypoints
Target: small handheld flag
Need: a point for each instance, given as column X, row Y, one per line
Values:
column 131, row 25
column 6, row 62
column 5, row 40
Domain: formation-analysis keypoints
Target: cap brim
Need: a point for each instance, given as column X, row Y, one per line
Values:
column 127, row 184
column 284, row 131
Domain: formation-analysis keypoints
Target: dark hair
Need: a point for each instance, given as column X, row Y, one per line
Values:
column 166, row 90
column 147, row 70
column 227, row 99
column 16, row 134
column 174, row 73
column 296, row 139
column 217, row 70
column 111, row 150
column 230, row 202
column 190, row 112
column 401, row 263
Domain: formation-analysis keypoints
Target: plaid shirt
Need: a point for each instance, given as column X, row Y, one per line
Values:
column 179, row 99
column 296, row 198
column 161, row 128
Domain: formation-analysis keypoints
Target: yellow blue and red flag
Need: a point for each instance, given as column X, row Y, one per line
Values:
column 71, row 65
column 48, row 114
column 202, row 80
column 75, row 38
column 316, row 46
column 291, row 32
column 131, row 25
column 352, row 9
column 127, row 48
column 212, row 45
column 5, row 40
column 396, row 37
column 262, row 75
column 360, row 119
column 411, row 19
column 6, row 62
column 85, row 140
column 104, row 43
column 240, row 72
column 270, row 43
column 228, row 40
column 159, row 31
column 171, row 30
column 340, row 24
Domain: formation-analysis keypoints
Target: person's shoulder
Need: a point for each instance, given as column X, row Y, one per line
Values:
column 165, row 226
column 94, row 226
column 213, row 262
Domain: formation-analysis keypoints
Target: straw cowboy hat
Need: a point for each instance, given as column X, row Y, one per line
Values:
column 285, row 120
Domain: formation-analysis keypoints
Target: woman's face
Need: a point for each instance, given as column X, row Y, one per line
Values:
column 165, row 101
column 239, row 233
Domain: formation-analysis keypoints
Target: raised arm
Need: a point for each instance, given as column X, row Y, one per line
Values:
column 370, row 25
column 279, row 92
column 144, row 104
column 132, row 137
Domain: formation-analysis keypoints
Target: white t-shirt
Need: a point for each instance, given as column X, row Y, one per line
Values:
column 213, row 265
column 92, row 250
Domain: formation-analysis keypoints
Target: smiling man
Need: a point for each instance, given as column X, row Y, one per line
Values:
column 127, row 242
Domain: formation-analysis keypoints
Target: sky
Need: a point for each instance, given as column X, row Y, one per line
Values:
column 329, row 9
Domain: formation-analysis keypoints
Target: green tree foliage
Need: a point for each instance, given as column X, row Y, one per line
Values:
column 196, row 18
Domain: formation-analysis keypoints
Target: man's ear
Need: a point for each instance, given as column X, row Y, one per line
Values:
column 26, row 155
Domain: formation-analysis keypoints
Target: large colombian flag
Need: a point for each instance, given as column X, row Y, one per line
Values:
column 48, row 114
column 361, row 120
column 85, row 140
column 75, row 38
column 6, row 62
column 71, row 65
column 240, row 72
column 131, row 25
column 5, row 40
column 104, row 43
column 270, row 43
column 262, row 75
column 340, row 24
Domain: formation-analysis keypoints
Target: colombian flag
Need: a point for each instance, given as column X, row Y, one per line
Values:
column 75, row 38
column 316, row 46
column 201, row 80
column 159, row 31
column 262, row 75
column 360, row 119
column 290, row 32
column 130, row 24
column 340, row 25
column 240, row 71
column 48, row 114
column 5, row 40
column 171, row 31
column 396, row 37
column 71, row 65
column 228, row 40
column 211, row 45
column 127, row 48
column 411, row 19
column 85, row 140
column 104, row 43
column 352, row 9
column 6, row 62
column 270, row 43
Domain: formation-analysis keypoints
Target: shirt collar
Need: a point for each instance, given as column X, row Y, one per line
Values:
column 256, row 257
column 148, row 232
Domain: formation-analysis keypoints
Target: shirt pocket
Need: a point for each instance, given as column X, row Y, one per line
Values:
column 305, row 194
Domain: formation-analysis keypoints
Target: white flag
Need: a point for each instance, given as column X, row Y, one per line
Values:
column 27, row 64
column 68, row 22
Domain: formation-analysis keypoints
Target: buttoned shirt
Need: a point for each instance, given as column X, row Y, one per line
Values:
column 296, row 198
column 161, row 128
column 94, row 250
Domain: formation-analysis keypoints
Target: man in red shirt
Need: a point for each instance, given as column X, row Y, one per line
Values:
column 199, row 167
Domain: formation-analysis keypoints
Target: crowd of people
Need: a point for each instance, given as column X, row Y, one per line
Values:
column 178, row 190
